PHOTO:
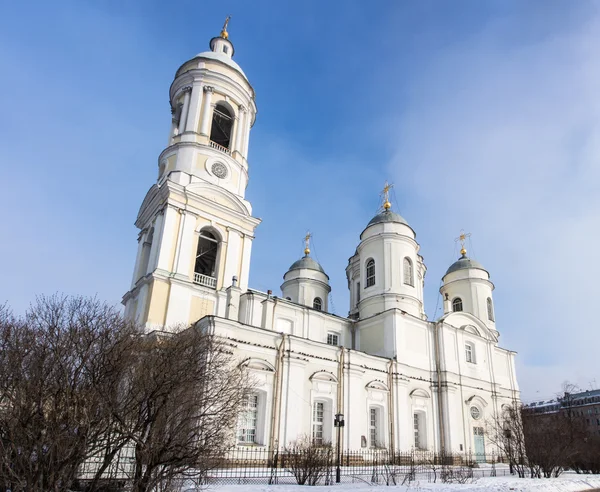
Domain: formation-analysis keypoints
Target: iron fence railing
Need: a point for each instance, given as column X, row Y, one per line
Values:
column 260, row 465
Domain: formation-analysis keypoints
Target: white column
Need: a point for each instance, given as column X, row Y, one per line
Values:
column 184, row 248
column 232, row 261
column 206, row 106
column 246, row 253
column 184, row 110
column 191, row 124
column 158, row 229
column 138, row 259
column 246, row 134
column 240, row 128
column 167, row 242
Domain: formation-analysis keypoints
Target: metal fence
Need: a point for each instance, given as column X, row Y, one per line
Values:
column 259, row 465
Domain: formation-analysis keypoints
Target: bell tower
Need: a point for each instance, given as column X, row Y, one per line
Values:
column 196, row 227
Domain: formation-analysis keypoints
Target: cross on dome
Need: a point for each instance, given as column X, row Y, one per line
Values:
column 385, row 193
column 462, row 238
column 224, row 34
column 307, row 243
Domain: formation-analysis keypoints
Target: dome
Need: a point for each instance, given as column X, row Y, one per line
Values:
column 308, row 263
column 464, row 263
column 220, row 57
column 387, row 216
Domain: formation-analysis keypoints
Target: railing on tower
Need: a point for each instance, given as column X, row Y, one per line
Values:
column 205, row 280
column 219, row 147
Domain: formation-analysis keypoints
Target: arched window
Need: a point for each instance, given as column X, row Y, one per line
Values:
column 318, row 303
column 457, row 304
column 370, row 272
column 490, row 309
column 222, row 124
column 409, row 278
column 205, row 268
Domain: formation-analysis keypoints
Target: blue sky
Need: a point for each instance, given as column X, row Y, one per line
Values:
column 485, row 115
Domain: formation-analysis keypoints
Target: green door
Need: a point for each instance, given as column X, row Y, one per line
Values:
column 479, row 442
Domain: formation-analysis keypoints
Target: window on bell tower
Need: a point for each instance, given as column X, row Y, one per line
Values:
column 222, row 124
column 409, row 278
column 457, row 304
column 205, row 268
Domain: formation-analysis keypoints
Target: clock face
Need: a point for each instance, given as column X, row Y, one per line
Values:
column 219, row 170
column 475, row 413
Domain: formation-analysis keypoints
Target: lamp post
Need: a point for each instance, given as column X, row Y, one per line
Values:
column 338, row 422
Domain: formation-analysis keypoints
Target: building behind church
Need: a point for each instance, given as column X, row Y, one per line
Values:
column 401, row 381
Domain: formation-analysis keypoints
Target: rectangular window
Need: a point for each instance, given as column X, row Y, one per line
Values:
column 469, row 352
column 225, row 49
column 247, row 420
column 416, row 430
column 332, row 339
column 373, row 427
column 317, row 427
column 357, row 292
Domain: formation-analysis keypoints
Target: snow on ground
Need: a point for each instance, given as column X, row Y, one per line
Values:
column 565, row 483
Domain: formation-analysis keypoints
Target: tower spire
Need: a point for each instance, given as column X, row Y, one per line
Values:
column 462, row 238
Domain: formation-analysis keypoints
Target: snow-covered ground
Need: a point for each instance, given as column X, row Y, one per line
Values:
column 566, row 483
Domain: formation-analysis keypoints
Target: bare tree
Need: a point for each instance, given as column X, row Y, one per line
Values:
column 79, row 384
column 506, row 432
column 308, row 461
column 187, row 393
column 50, row 376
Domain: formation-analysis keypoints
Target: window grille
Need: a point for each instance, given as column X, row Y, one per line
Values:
column 469, row 355
column 490, row 309
column 247, row 420
column 373, row 425
column 370, row 273
column 318, row 418
column 457, row 305
column 332, row 339
column 318, row 304
column 409, row 278
column 416, row 430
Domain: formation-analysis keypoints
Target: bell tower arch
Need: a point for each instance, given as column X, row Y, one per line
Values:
column 196, row 227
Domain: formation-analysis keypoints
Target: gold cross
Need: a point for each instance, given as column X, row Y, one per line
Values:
column 224, row 33
column 307, row 243
column 462, row 238
column 385, row 193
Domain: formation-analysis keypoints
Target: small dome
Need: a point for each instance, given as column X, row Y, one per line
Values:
column 308, row 263
column 387, row 216
column 220, row 57
column 464, row 263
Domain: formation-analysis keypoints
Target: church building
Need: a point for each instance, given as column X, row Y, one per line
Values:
column 401, row 381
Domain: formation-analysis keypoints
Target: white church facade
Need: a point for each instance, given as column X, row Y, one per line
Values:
column 401, row 381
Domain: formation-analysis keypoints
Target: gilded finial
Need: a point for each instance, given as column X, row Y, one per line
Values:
column 224, row 34
column 385, row 194
column 307, row 243
column 462, row 238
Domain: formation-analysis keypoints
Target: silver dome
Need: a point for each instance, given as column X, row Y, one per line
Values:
column 464, row 263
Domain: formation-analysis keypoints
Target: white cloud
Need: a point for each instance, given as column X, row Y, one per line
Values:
column 506, row 141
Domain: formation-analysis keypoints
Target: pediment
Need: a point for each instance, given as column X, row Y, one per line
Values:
column 419, row 393
column 323, row 376
column 257, row 364
column 476, row 399
column 376, row 384
column 470, row 324
column 220, row 196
